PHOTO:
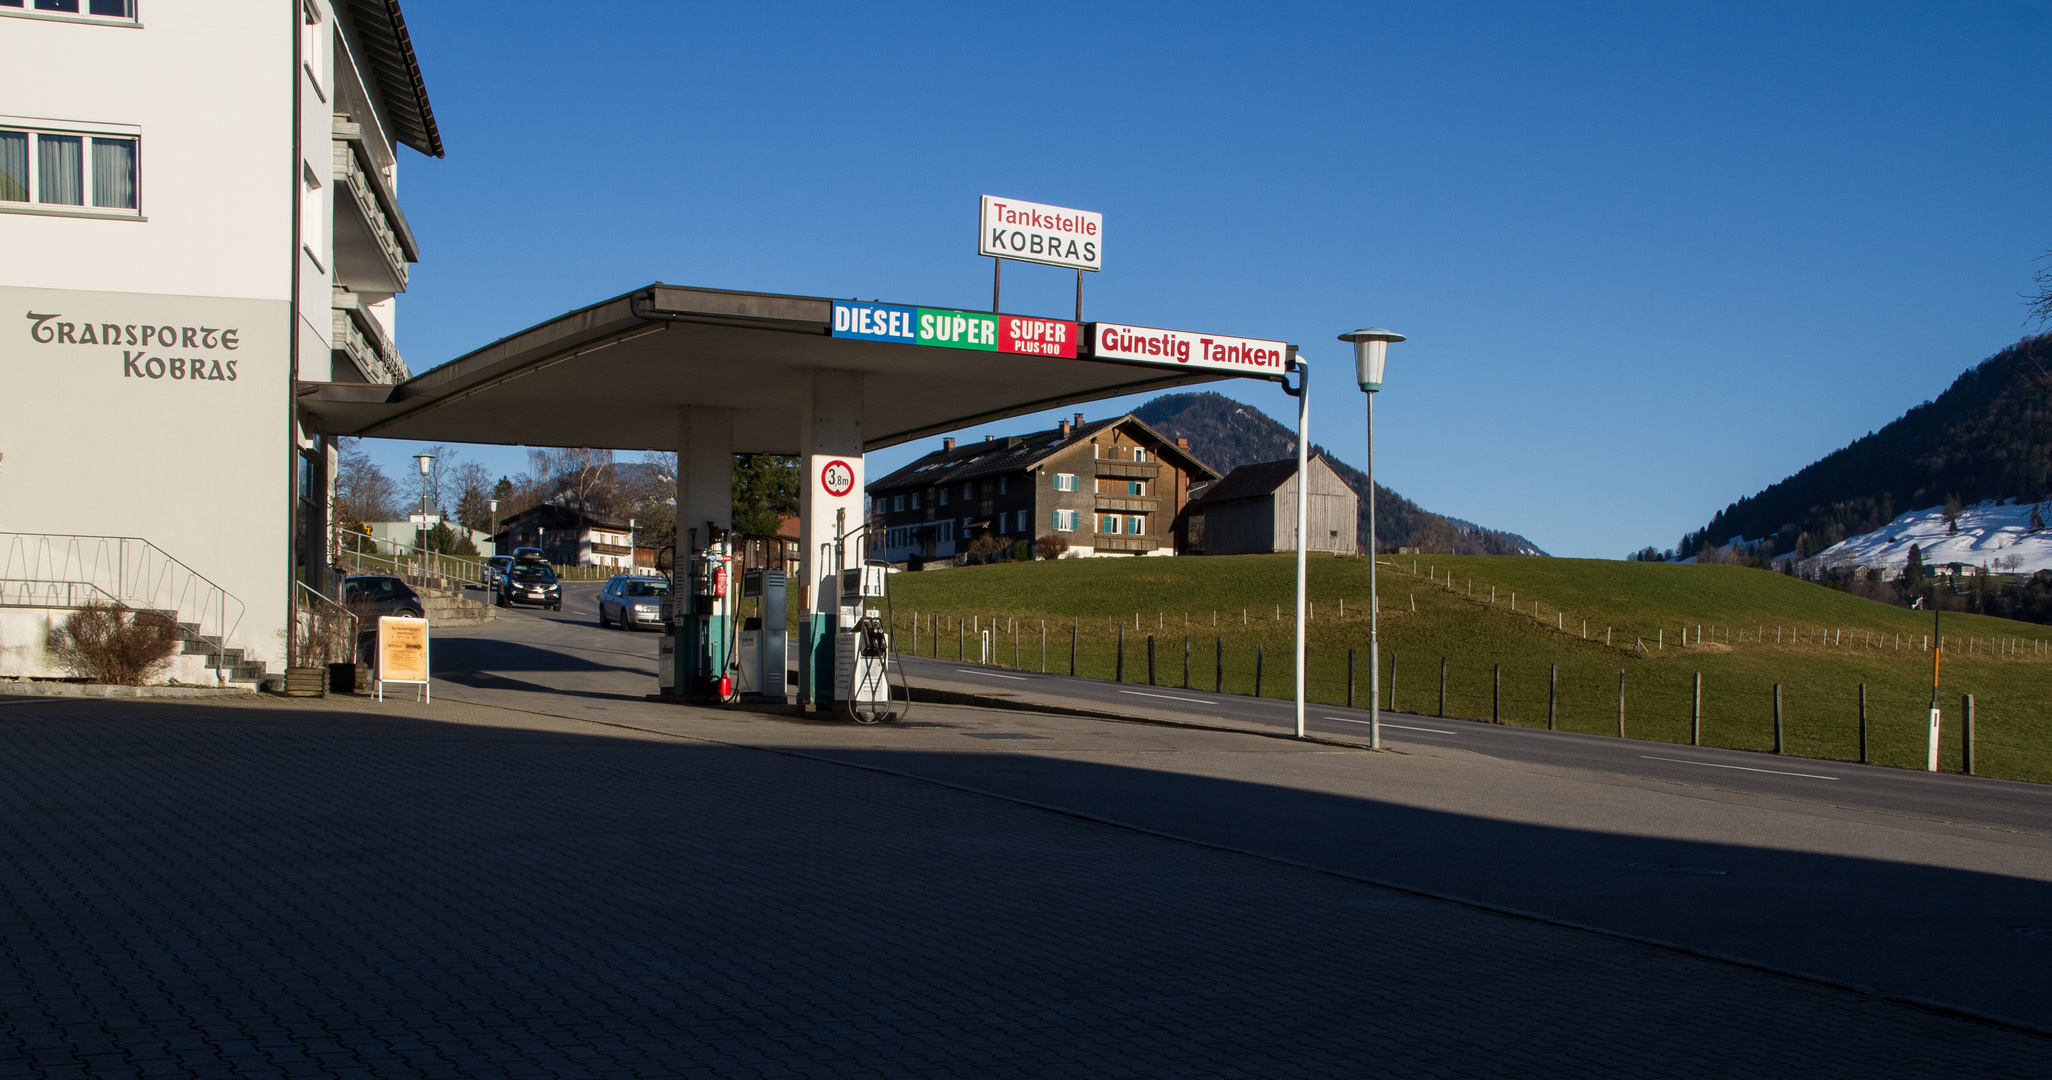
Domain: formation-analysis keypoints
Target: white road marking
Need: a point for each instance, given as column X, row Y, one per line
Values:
column 1399, row 727
column 1169, row 697
column 993, row 675
column 1741, row 768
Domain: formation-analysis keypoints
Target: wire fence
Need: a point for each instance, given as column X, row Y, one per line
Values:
column 1839, row 716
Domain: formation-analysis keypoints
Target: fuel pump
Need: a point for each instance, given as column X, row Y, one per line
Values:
column 862, row 649
column 702, row 618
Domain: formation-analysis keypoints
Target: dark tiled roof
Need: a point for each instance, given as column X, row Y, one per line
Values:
column 970, row 461
column 1251, row 481
column 381, row 30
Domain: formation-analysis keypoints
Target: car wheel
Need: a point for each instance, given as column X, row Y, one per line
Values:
column 558, row 606
column 603, row 623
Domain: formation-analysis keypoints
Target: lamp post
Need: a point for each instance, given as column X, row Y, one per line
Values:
column 420, row 535
column 1371, row 351
column 495, row 526
column 1303, row 396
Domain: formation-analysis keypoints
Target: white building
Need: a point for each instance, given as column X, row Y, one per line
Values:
column 197, row 205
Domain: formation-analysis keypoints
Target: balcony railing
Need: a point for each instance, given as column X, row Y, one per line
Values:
column 358, row 336
column 375, row 258
column 1126, row 543
column 1138, row 470
column 1131, row 503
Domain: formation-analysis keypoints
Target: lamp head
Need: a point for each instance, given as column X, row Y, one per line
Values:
column 427, row 462
column 1371, row 352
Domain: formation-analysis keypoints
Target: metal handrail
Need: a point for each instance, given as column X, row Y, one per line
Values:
column 130, row 571
column 409, row 562
column 313, row 613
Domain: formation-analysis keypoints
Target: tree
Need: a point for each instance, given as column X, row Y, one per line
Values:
column 1952, row 512
column 472, row 497
column 362, row 490
column 2040, row 306
column 579, row 479
column 649, row 496
column 765, row 491
column 2037, row 520
column 1913, row 574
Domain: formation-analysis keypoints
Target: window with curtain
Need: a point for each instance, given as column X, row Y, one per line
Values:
column 114, row 173
column 110, row 9
column 14, row 175
column 1136, row 526
column 53, row 168
column 60, row 180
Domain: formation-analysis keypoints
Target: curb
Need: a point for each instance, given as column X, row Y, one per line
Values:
column 30, row 688
column 931, row 696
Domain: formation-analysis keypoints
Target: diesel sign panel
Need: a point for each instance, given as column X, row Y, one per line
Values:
column 1031, row 232
column 977, row 330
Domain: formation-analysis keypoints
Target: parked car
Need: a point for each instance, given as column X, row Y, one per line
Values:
column 533, row 584
column 633, row 601
column 529, row 554
column 375, row 595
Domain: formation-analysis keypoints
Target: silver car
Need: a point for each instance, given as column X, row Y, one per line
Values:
column 633, row 601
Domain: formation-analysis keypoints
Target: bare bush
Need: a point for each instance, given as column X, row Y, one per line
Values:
column 984, row 548
column 1051, row 546
column 108, row 643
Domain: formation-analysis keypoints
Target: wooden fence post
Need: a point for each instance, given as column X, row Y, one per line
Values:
column 1777, row 718
column 1553, row 698
column 1150, row 659
column 1620, row 702
column 1696, row 713
column 1218, row 667
column 1863, row 723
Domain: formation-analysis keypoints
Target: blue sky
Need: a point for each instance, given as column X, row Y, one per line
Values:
column 1651, row 257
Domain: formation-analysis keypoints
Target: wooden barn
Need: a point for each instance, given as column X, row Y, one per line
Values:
column 1254, row 510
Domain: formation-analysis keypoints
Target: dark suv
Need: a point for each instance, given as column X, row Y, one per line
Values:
column 375, row 596
column 531, row 583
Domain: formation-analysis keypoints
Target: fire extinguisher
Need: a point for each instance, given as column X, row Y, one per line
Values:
column 720, row 582
column 726, row 687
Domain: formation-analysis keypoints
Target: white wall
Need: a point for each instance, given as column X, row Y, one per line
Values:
column 209, row 85
column 97, row 446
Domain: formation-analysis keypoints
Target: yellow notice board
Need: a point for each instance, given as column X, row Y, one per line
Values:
column 402, row 653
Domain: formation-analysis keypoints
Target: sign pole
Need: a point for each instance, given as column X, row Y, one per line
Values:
column 1303, row 508
column 1937, row 657
column 1079, row 297
column 997, row 282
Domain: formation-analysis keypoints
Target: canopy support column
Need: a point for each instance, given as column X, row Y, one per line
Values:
column 705, row 514
column 830, row 466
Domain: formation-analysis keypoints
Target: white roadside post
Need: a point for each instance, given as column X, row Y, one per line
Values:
column 1303, row 396
column 1371, row 352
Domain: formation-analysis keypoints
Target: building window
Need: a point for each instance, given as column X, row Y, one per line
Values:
column 1065, row 521
column 1064, row 481
column 1001, row 485
column 943, row 496
column 1139, row 454
column 968, row 491
column 1021, row 518
column 68, row 169
column 1136, row 525
column 915, row 500
column 944, row 532
column 1136, row 487
column 105, row 9
column 1109, row 523
column 897, row 503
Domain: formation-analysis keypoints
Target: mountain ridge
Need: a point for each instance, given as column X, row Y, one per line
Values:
column 1986, row 436
column 1226, row 434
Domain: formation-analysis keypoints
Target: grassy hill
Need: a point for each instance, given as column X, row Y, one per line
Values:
column 1746, row 630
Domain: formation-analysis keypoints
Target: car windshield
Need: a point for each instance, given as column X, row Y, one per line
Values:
column 646, row 588
column 525, row 572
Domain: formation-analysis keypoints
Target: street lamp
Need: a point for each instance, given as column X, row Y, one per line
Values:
column 1371, row 351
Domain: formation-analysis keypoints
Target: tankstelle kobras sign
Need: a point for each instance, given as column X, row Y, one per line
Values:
column 975, row 330
column 1181, row 348
column 1031, row 232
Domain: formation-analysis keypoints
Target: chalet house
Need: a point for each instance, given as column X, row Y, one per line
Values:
column 568, row 538
column 1113, row 487
column 1254, row 509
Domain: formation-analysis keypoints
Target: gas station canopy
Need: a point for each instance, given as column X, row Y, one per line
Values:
column 612, row 376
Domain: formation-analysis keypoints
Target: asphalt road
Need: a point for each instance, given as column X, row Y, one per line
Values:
column 1977, row 801
column 1934, row 887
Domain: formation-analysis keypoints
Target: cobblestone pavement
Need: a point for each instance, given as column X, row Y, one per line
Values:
column 454, row 890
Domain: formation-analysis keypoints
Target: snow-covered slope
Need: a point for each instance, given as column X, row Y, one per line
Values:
column 1992, row 536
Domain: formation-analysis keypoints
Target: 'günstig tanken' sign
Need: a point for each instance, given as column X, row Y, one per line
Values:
column 1180, row 348
column 1032, row 232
